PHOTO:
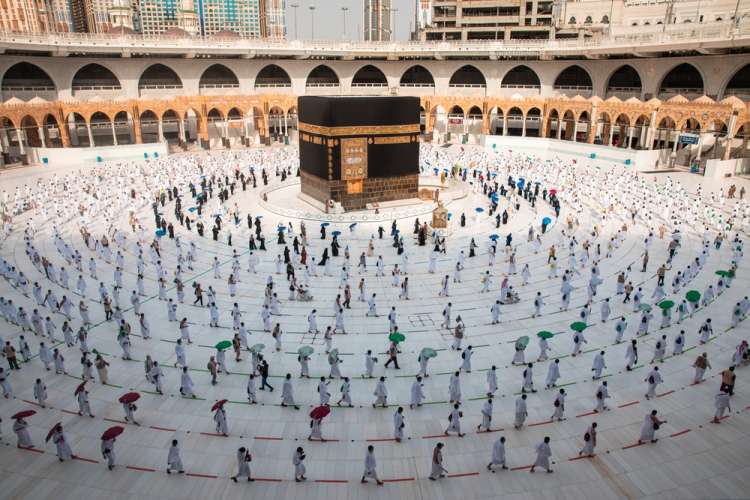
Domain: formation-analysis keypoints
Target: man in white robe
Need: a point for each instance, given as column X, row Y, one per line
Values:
column 559, row 404
column 287, row 392
column 496, row 312
column 220, row 417
column 316, row 430
column 369, row 365
column 243, row 465
column 454, row 386
column 398, row 424
column 498, row 454
column 108, row 452
column 179, row 351
column 528, row 379
column 543, row 454
column 370, row 466
column 174, row 460
column 84, row 408
column 700, row 365
column 659, row 349
column 721, row 403
column 186, row 383
column 454, row 421
column 381, row 394
column 521, row 412
column 437, row 470
column 486, row 416
column 64, row 452
column 598, row 365
column 553, row 373
column 653, row 378
column 602, row 393
column 417, row 394
column 466, row 355
column 21, row 428
column 299, row 468
column 620, row 329
column 491, row 381
column 323, row 394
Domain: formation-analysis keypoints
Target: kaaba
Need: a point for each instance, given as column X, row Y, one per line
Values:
column 359, row 150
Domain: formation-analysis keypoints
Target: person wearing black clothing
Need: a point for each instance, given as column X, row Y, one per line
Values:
column 324, row 258
column 289, row 271
column 322, row 232
column 335, row 247
column 280, row 235
column 380, row 232
column 187, row 223
column 218, row 222
column 262, row 240
column 252, row 242
column 249, row 222
column 257, row 227
column 215, row 231
column 295, row 245
column 170, row 230
column 286, row 255
column 497, row 221
column 463, row 220
column 198, row 294
column 505, row 217
column 199, row 227
column 393, row 227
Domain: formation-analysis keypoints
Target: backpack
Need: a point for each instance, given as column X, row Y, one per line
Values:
column 651, row 379
column 587, row 437
column 678, row 341
column 656, row 426
column 658, row 345
column 599, row 395
column 463, row 356
column 583, row 314
column 557, row 403
column 575, row 339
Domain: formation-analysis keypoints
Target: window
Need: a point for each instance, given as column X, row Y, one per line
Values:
column 572, row 20
column 605, row 19
column 588, row 20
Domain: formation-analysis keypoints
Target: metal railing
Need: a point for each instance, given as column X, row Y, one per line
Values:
column 643, row 36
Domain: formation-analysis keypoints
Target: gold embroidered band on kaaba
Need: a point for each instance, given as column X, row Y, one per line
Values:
column 368, row 130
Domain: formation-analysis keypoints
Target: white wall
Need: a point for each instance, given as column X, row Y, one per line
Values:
column 724, row 168
column 79, row 156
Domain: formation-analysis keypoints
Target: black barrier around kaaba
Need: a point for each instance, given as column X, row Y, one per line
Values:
column 349, row 143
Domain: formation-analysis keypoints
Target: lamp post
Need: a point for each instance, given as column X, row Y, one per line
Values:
column 312, row 20
column 344, row 9
column 294, row 6
column 393, row 28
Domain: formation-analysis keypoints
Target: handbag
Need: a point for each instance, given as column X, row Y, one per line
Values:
column 651, row 379
column 656, row 426
column 587, row 437
column 557, row 403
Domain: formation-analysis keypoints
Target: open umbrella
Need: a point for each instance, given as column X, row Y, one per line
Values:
column 666, row 304
column 23, row 414
column 197, row 196
column 538, row 183
column 336, row 233
column 722, row 273
column 258, row 216
column 546, row 220
column 545, row 335
column 257, row 348
column 192, row 209
column 219, row 404
column 352, row 225
column 224, row 344
column 645, row 307
column 579, row 326
column 693, row 296
column 332, row 356
column 494, row 236
column 130, row 397
column 216, row 215
column 396, row 231
column 305, row 350
column 522, row 342
column 479, row 210
column 325, row 224
column 567, row 288
column 80, row 388
column 553, row 191
column 595, row 281
column 396, row 337
column 427, row 352
column 112, row 432
column 281, row 228
column 160, row 233
column 160, row 214
column 320, row 412
column 52, row 431
column 677, row 236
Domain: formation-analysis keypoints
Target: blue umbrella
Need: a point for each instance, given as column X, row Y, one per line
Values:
column 160, row 233
column 203, row 177
column 546, row 220
column 396, row 231
column 192, row 209
column 521, row 179
column 479, row 209
column 181, row 184
column 494, row 175
column 446, row 170
column 352, row 225
column 537, row 183
column 336, row 233
column 197, row 196
column 160, row 214
column 216, row 215
column 258, row 216
column 237, row 223
column 282, row 228
column 494, row 236
column 325, row 224
column 495, row 196
column 512, row 183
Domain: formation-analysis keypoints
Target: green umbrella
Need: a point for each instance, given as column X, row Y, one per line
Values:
column 332, row 356
column 644, row 307
column 522, row 342
column 305, row 350
column 427, row 352
column 545, row 335
column 579, row 326
column 693, row 296
column 666, row 304
column 257, row 348
column 396, row 337
column 723, row 273
column 224, row 344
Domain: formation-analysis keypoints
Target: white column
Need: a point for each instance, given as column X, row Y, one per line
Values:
column 286, row 126
column 676, row 139
column 630, row 136
column 575, row 130
column 611, row 133
column 730, row 136
column 41, row 136
column 523, row 129
column 114, row 133
column 3, row 141
column 700, row 143
column 19, row 134
column 505, row 125
column 91, row 135
column 183, row 132
column 559, row 128
column 160, row 131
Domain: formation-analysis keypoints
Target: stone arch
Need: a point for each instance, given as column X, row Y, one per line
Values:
column 369, row 76
column 25, row 77
column 456, row 110
column 683, row 79
column 214, row 115
column 322, row 76
column 468, row 76
column 158, row 77
column 573, row 79
column 739, row 84
column 515, row 119
column 272, row 76
column 521, row 77
column 218, row 76
column 417, row 76
column 533, row 122
column 625, row 81
column 95, row 78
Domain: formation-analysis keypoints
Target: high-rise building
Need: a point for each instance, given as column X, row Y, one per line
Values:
column 27, row 15
column 272, row 19
column 239, row 16
column 377, row 20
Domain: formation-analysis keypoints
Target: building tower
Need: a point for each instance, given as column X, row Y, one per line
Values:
column 377, row 20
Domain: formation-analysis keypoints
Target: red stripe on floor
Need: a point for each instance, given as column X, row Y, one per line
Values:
column 397, row 480
column 211, row 434
column 632, row 446
column 139, row 468
column 666, row 393
column 438, row 436
column 379, row 440
column 521, row 468
column 163, row 429
column 71, row 412
column 722, row 418
column 268, row 438
column 30, row 449
column 31, row 402
column 629, row 404
column 464, row 475
column 679, row 433
column 331, row 481
column 587, row 414
column 268, row 479
column 86, row 460
column 117, row 421
column 581, row 458
column 200, row 475
column 541, row 423
column 696, row 383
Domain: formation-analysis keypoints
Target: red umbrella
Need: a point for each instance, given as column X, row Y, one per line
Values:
column 553, row 191
column 23, row 414
column 112, row 432
column 130, row 397
column 52, row 431
column 218, row 404
column 80, row 388
column 320, row 412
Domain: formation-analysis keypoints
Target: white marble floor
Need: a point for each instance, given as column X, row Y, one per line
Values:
column 693, row 458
